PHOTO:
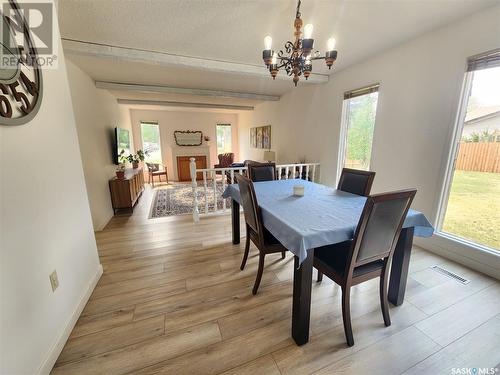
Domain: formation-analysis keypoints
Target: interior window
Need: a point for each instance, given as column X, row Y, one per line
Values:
column 224, row 140
column 471, row 208
column 150, row 133
column 358, row 124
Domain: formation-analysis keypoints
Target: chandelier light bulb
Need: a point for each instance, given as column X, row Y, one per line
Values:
column 268, row 42
column 308, row 30
column 330, row 44
column 274, row 61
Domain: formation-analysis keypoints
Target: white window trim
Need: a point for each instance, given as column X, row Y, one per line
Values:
column 159, row 136
column 223, row 124
column 453, row 152
column 344, row 122
column 450, row 169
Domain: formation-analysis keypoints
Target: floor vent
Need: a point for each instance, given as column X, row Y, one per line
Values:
column 452, row 275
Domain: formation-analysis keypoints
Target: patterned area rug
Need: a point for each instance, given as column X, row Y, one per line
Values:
column 178, row 200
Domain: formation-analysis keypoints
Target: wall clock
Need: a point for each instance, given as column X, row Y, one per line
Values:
column 20, row 74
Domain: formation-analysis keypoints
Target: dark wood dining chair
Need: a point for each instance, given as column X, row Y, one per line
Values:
column 369, row 254
column 261, row 171
column 154, row 169
column 356, row 181
column 260, row 236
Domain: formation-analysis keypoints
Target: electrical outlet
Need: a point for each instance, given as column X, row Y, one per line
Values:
column 54, row 281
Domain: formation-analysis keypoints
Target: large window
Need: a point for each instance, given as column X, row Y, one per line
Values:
column 358, row 124
column 151, row 144
column 471, row 204
column 223, row 138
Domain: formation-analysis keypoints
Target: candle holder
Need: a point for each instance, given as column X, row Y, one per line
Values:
column 330, row 57
column 267, row 56
column 298, row 190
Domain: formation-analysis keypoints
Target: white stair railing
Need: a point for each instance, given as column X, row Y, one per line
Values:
column 305, row 171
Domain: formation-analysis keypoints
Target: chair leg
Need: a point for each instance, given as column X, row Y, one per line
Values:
column 384, row 278
column 259, row 273
column 320, row 276
column 283, row 254
column 245, row 255
column 346, row 315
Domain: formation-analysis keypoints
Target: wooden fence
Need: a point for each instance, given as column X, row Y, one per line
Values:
column 479, row 157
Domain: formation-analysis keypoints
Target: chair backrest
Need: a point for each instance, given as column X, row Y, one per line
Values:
column 226, row 159
column 153, row 167
column 379, row 226
column 356, row 181
column 250, row 206
column 262, row 171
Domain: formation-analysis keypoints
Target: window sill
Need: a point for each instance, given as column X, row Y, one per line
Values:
column 477, row 257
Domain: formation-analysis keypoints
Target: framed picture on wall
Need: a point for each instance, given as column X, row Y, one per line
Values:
column 253, row 137
column 260, row 137
column 266, row 137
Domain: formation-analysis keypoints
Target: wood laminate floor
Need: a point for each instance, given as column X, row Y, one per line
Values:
column 172, row 300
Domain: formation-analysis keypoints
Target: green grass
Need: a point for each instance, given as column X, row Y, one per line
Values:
column 473, row 210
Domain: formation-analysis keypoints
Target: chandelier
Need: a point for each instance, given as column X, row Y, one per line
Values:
column 297, row 56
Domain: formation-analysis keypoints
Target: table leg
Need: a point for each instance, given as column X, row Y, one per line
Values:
column 235, row 220
column 399, row 267
column 301, row 307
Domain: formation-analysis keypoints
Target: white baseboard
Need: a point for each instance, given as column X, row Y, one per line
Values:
column 104, row 222
column 55, row 350
column 487, row 262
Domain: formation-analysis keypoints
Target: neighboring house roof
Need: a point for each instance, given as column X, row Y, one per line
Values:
column 482, row 113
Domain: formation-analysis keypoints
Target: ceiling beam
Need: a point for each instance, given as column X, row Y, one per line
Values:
column 185, row 104
column 78, row 47
column 185, row 91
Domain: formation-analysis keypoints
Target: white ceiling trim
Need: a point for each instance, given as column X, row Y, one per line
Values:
column 159, row 58
column 184, row 104
column 184, row 91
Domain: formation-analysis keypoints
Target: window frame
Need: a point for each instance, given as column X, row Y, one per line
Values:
column 452, row 156
column 159, row 136
column 344, row 122
column 230, row 125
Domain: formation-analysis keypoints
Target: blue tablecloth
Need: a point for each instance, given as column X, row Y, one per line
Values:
column 323, row 216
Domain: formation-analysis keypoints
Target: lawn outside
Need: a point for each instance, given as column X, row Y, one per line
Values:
column 473, row 210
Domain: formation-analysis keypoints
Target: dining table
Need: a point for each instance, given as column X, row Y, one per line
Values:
column 322, row 216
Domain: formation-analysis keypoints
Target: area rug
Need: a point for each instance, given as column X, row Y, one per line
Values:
column 177, row 199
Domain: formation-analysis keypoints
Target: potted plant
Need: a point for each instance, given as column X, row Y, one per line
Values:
column 120, row 170
column 135, row 159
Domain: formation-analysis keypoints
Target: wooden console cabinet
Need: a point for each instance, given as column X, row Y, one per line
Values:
column 125, row 193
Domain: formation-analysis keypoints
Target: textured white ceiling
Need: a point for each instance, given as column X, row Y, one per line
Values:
column 112, row 70
column 233, row 31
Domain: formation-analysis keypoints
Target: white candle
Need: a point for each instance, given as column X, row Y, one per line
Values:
column 298, row 190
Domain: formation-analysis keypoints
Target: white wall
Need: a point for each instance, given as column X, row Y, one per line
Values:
column 420, row 84
column 169, row 121
column 46, row 225
column 266, row 114
column 97, row 113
